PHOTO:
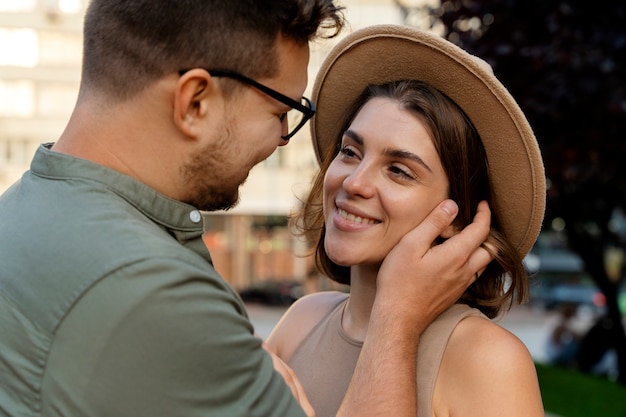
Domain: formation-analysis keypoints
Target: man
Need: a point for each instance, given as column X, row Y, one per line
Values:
column 109, row 304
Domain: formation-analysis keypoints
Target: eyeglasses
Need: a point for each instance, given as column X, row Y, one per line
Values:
column 300, row 113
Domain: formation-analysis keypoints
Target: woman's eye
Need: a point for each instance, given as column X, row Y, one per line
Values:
column 396, row 170
column 347, row 151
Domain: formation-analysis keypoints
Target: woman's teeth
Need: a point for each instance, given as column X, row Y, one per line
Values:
column 356, row 219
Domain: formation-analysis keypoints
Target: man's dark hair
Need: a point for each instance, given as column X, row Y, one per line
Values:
column 130, row 43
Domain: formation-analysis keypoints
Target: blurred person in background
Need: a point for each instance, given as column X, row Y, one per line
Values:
column 562, row 345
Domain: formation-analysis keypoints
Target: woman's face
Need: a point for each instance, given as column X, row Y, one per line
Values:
column 386, row 178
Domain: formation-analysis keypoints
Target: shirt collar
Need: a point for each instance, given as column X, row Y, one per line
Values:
column 184, row 221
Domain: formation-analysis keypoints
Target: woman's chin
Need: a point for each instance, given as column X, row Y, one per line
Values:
column 340, row 258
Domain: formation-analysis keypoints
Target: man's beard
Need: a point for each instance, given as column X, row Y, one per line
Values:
column 213, row 176
column 216, row 198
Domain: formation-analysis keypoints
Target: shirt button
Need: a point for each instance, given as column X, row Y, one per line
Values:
column 195, row 216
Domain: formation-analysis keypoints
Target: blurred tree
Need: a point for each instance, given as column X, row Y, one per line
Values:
column 565, row 63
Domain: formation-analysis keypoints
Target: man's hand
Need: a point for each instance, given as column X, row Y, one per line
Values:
column 419, row 280
column 416, row 282
column 292, row 381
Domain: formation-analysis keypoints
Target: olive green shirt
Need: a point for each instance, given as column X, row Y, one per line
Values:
column 110, row 306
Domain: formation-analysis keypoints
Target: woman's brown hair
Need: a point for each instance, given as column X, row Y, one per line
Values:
column 463, row 159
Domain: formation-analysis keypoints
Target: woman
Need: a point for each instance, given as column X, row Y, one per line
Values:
column 430, row 123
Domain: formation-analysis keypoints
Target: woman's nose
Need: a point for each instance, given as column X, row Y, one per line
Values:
column 360, row 182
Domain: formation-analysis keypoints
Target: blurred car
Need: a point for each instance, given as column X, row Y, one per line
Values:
column 557, row 277
column 273, row 292
column 581, row 294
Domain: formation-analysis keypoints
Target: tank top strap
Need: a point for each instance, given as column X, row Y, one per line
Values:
column 433, row 342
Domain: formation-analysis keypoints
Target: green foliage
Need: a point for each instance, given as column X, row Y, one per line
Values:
column 573, row 394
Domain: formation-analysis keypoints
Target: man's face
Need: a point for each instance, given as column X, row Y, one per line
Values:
column 250, row 131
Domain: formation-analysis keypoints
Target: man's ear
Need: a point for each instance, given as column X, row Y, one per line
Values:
column 191, row 104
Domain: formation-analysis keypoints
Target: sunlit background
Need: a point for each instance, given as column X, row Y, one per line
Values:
column 252, row 246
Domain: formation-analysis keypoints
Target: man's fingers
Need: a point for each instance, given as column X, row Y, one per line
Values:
column 291, row 380
column 434, row 225
column 474, row 234
column 481, row 258
column 477, row 233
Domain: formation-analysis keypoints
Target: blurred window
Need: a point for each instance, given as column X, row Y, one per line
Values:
column 21, row 6
column 56, row 100
column 68, row 6
column 17, row 98
column 59, row 49
column 17, row 6
column 19, row 47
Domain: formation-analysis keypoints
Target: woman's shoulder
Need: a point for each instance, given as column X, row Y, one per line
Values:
column 485, row 336
column 482, row 347
column 317, row 302
column 314, row 307
column 488, row 369
column 300, row 319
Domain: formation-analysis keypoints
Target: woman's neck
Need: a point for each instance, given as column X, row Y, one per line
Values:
column 359, row 308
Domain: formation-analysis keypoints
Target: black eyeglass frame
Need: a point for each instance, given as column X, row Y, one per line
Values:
column 307, row 112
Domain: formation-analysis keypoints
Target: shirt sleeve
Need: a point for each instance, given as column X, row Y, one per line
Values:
column 161, row 338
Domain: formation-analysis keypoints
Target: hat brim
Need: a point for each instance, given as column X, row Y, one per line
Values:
column 384, row 53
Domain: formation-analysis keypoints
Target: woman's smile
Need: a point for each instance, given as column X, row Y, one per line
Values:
column 355, row 218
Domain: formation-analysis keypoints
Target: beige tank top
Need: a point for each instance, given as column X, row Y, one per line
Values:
column 326, row 358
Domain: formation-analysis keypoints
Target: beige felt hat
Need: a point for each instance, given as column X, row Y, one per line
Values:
column 384, row 53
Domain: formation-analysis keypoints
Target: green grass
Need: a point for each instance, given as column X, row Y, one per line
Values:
column 573, row 394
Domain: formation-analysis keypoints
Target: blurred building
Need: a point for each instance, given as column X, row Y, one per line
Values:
column 40, row 57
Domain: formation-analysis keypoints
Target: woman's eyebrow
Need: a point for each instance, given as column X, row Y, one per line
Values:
column 394, row 153
column 354, row 136
column 399, row 153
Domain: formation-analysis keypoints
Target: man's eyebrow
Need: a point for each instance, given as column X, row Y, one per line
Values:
column 394, row 153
